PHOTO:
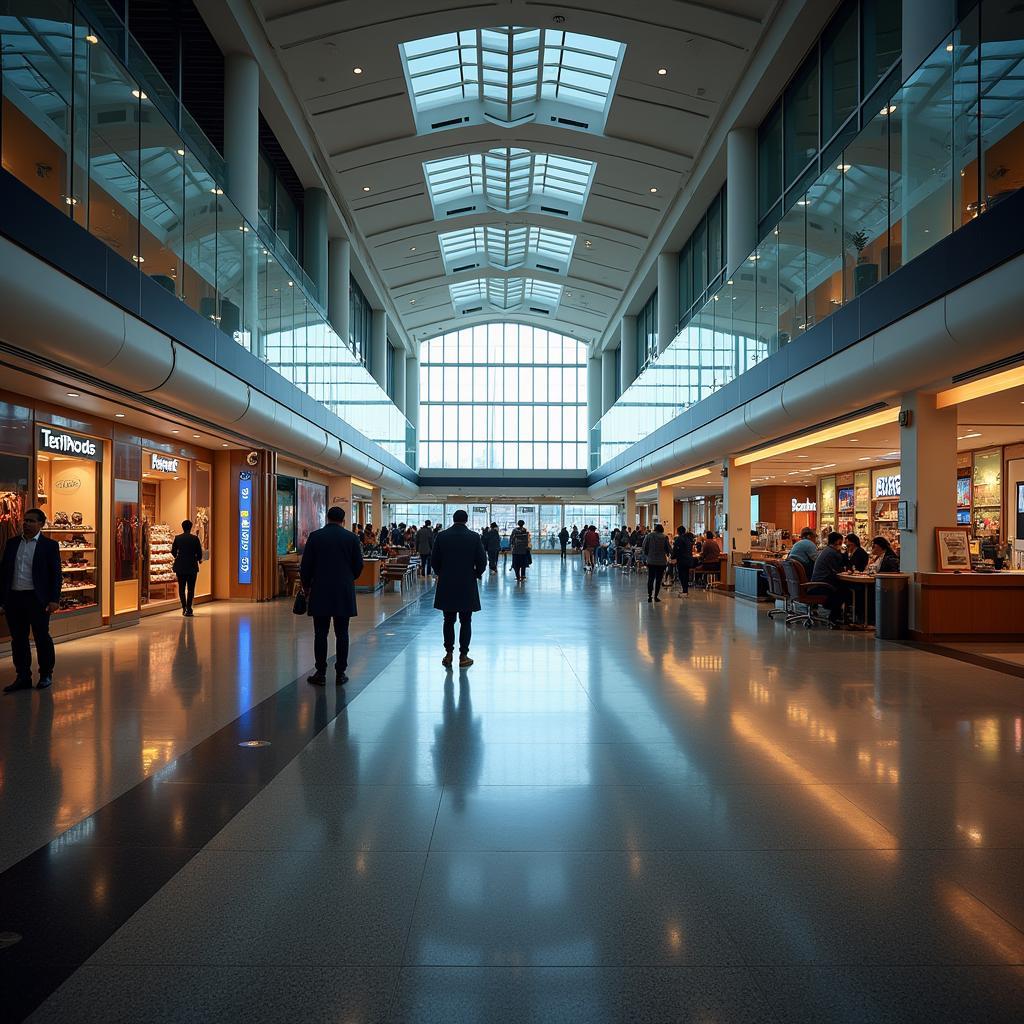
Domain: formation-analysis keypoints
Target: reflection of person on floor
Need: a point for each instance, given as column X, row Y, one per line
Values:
column 187, row 552
column 458, row 751
column 331, row 562
column 342, row 777
column 30, row 583
column 185, row 671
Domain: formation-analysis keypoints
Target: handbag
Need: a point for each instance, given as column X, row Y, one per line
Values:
column 300, row 607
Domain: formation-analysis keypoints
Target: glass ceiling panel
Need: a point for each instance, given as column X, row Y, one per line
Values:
column 505, row 293
column 507, row 248
column 511, row 74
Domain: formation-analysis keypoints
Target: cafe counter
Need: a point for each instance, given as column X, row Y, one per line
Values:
column 969, row 606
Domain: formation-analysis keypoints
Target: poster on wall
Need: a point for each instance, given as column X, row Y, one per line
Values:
column 311, row 514
column 953, row 544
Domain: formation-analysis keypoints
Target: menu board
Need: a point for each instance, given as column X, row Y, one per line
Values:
column 987, row 512
column 862, row 491
column 827, row 505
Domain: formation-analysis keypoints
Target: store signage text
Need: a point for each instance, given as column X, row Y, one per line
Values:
column 162, row 464
column 71, row 483
column 887, row 486
column 69, row 444
column 804, row 506
column 245, row 527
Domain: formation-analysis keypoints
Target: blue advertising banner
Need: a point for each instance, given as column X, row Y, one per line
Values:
column 245, row 527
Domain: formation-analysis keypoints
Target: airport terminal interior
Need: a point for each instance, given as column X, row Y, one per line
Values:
column 693, row 330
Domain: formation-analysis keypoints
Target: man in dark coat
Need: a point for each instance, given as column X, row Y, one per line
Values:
column 492, row 545
column 187, row 551
column 331, row 561
column 458, row 561
column 30, row 582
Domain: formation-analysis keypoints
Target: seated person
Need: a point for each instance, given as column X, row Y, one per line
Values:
column 827, row 566
column 856, row 556
column 805, row 550
column 883, row 558
column 711, row 554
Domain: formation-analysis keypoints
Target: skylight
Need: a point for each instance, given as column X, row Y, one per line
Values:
column 509, row 181
column 510, row 75
column 505, row 294
column 507, row 248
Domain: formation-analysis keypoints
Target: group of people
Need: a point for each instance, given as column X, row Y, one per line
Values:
column 824, row 564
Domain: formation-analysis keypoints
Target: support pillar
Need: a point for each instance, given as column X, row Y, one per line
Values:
column 608, row 382
column 378, row 508
column 412, row 408
column 379, row 348
column 668, row 298
column 399, row 397
column 339, row 255
column 242, row 133
column 593, row 392
column 924, row 25
column 314, row 240
column 740, row 196
column 631, row 509
column 667, row 509
column 627, row 352
column 927, row 481
column 339, row 492
column 736, row 505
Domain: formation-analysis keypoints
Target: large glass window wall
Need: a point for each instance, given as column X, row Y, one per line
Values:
column 503, row 396
column 945, row 147
column 92, row 140
column 702, row 259
column 647, row 332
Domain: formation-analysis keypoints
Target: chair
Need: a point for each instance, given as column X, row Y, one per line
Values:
column 777, row 590
column 802, row 592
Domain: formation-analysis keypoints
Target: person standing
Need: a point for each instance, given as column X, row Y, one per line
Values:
column 492, row 545
column 682, row 552
column 591, row 540
column 459, row 561
column 574, row 539
column 563, row 539
column 187, row 552
column 30, row 582
column 331, row 562
column 656, row 550
column 424, row 544
column 519, row 544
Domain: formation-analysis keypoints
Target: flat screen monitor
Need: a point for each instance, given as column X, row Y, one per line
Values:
column 1020, row 510
column 963, row 517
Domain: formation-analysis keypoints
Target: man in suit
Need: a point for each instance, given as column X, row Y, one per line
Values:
column 30, row 582
column 424, row 545
column 492, row 545
column 331, row 561
column 187, row 552
column 458, row 561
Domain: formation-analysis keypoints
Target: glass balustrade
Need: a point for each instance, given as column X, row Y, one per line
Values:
column 98, row 143
column 945, row 147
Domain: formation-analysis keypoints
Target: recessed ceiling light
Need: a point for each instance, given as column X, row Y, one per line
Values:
column 92, row 38
column 357, row 71
column 181, row 152
column 366, row 188
column 662, row 71
column 888, row 109
column 138, row 259
column 119, row 415
column 653, row 189
column 412, row 248
column 72, row 394
column 139, row 94
column 217, row 191
column 803, row 456
column 588, row 243
column 175, row 431
column 802, row 202
column 197, row 435
column 842, row 167
column 412, row 302
column 949, row 47
column 224, row 444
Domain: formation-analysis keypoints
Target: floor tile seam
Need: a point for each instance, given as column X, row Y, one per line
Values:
column 968, row 888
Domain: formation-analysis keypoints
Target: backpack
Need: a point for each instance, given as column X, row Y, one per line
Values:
column 520, row 542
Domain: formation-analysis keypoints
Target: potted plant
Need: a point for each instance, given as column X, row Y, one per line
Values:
column 865, row 274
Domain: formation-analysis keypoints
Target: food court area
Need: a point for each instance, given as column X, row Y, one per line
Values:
column 941, row 482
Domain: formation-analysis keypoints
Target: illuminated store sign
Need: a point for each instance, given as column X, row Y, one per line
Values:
column 62, row 443
column 163, row 464
column 805, row 506
column 887, row 486
column 245, row 527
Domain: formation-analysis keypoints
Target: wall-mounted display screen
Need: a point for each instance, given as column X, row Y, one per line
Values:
column 963, row 493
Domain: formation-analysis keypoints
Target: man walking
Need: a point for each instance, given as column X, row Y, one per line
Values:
column 331, row 561
column 459, row 561
column 30, row 582
column 187, row 552
column 492, row 545
column 424, row 545
column 563, row 540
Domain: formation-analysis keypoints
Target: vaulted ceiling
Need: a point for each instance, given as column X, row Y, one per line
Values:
column 657, row 123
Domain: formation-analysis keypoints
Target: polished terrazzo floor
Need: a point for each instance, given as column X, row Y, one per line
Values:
column 621, row 812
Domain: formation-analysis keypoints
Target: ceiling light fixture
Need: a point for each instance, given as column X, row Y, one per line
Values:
column 217, row 191
column 197, row 435
column 876, row 419
column 842, row 167
column 949, row 47
column 693, row 474
column 138, row 259
column 653, row 189
column 662, row 71
column 357, row 71
column 72, row 394
column 888, row 109
column 412, row 248
column 644, row 490
column 181, row 152
column 119, row 415
column 92, row 38
column 175, row 431
column 366, row 188
column 980, row 388
column 139, row 94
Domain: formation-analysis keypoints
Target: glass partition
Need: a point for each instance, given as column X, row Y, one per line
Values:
column 941, row 149
column 115, row 151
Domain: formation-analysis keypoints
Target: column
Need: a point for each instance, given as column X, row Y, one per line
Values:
column 736, row 505
column 379, row 347
column 608, row 381
column 338, row 275
column 627, row 349
column 631, row 509
column 339, row 492
column 740, row 196
column 927, row 481
column 412, row 408
column 378, row 508
column 242, row 132
column 667, row 509
column 668, row 298
column 593, row 392
column 925, row 23
column 399, row 396
column 314, row 239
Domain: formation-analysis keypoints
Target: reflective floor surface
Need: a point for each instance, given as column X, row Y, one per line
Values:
column 621, row 812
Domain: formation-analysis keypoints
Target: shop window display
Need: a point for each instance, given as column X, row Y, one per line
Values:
column 988, row 494
column 165, row 503
column 312, row 509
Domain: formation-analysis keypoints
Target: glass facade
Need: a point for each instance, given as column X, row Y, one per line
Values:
column 702, row 259
column 647, row 332
column 503, row 396
column 940, row 150
column 360, row 323
column 85, row 134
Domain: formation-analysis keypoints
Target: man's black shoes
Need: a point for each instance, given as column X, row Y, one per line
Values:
column 18, row 684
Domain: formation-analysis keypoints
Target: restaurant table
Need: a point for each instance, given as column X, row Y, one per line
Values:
column 861, row 581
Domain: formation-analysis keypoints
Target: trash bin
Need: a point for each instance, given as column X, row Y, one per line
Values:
column 892, row 594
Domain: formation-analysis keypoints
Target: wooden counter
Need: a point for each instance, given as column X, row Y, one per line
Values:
column 370, row 579
column 969, row 605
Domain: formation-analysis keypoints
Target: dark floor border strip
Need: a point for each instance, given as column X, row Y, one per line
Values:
column 978, row 660
column 72, row 894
